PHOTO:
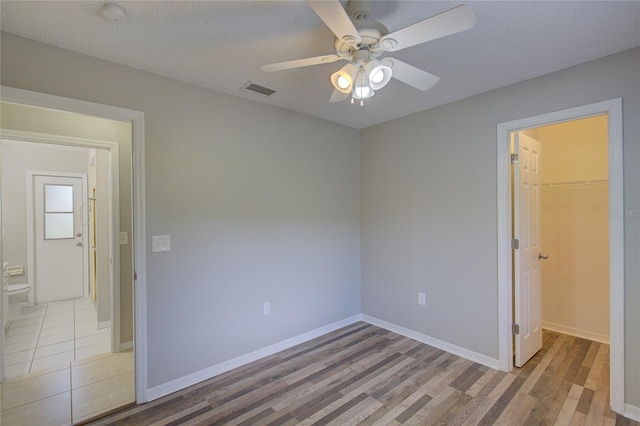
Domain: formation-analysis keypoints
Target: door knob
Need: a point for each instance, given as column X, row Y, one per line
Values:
column 79, row 244
column 79, row 234
column 542, row 256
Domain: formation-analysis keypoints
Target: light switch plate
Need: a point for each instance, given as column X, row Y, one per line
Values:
column 422, row 299
column 124, row 238
column 160, row 243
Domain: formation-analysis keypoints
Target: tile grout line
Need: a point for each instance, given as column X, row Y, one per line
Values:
column 74, row 332
column 71, row 384
column 33, row 357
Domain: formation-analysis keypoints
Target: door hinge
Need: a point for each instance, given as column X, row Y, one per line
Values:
column 514, row 158
column 135, row 276
column 515, row 244
column 515, row 328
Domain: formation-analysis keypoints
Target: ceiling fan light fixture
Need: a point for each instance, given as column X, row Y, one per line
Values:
column 377, row 77
column 363, row 92
column 379, row 74
column 361, row 86
column 342, row 81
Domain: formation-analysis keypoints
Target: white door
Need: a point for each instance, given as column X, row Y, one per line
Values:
column 527, row 258
column 59, row 238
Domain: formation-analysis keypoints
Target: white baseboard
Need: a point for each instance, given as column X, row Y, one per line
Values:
column 126, row 346
column 431, row 341
column 632, row 412
column 199, row 376
column 104, row 324
column 576, row 332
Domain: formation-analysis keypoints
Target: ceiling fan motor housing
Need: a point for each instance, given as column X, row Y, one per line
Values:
column 359, row 9
column 370, row 32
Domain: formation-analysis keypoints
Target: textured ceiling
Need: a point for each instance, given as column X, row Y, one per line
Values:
column 221, row 45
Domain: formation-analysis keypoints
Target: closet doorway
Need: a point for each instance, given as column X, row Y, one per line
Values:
column 615, row 214
column 561, row 224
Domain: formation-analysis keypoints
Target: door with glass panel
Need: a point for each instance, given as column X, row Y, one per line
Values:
column 60, row 239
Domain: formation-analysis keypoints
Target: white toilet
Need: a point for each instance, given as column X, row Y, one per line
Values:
column 17, row 294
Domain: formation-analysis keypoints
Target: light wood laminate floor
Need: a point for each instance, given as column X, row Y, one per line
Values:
column 365, row 375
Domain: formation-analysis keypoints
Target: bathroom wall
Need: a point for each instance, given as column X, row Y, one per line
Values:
column 575, row 227
column 17, row 159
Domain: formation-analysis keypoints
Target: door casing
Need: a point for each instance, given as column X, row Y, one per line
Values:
column 613, row 109
column 136, row 118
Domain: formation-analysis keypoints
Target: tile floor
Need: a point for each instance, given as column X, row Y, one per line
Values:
column 53, row 335
column 58, row 367
column 80, row 391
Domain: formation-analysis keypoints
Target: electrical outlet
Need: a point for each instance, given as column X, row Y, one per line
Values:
column 422, row 299
column 267, row 308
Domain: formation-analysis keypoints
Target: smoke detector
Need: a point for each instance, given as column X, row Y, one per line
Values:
column 113, row 12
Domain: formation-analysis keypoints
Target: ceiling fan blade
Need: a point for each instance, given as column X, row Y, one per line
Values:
column 338, row 96
column 452, row 21
column 410, row 75
column 335, row 17
column 299, row 63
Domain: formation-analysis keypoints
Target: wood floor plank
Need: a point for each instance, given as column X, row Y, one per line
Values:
column 397, row 409
column 577, row 419
column 364, row 375
column 570, row 405
column 542, row 365
column 474, row 409
column 184, row 414
column 362, row 415
column 601, row 395
column 437, row 408
column 517, row 410
column 334, row 411
column 591, row 355
column 596, row 368
column 479, row 384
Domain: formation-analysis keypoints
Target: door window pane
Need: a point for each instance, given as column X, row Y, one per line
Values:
column 58, row 198
column 58, row 226
column 58, row 212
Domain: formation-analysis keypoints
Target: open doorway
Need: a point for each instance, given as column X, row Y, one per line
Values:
column 614, row 213
column 561, row 214
column 83, row 339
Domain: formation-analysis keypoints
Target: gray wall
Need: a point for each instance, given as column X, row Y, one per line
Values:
column 17, row 159
column 262, row 204
column 429, row 206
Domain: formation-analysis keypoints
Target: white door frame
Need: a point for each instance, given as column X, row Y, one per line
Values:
column 136, row 118
column 613, row 108
column 31, row 247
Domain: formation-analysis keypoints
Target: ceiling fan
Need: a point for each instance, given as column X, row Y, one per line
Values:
column 362, row 41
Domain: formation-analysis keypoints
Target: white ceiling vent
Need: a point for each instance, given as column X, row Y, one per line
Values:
column 258, row 89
